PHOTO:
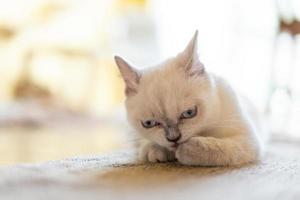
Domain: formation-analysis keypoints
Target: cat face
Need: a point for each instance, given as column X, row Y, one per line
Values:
column 168, row 104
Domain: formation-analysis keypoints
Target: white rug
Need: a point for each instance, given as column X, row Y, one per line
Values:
column 115, row 176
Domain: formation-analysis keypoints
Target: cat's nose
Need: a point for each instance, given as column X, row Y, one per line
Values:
column 174, row 139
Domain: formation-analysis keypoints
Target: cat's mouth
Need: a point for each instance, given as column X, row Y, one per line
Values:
column 175, row 145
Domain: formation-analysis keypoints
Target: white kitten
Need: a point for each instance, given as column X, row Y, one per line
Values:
column 188, row 114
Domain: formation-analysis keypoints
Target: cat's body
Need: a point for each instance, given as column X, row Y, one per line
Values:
column 184, row 113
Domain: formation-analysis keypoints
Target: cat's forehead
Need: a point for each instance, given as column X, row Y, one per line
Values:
column 165, row 83
column 165, row 91
column 161, row 95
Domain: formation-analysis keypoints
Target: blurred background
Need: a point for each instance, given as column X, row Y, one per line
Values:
column 61, row 94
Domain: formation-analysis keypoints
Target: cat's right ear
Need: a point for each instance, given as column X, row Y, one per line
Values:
column 189, row 58
column 130, row 76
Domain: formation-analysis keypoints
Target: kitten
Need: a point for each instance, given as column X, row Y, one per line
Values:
column 186, row 114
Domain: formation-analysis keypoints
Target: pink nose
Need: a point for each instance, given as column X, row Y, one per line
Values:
column 174, row 139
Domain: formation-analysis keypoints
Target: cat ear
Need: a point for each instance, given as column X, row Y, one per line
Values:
column 130, row 76
column 189, row 58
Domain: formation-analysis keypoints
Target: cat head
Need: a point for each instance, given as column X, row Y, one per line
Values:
column 169, row 103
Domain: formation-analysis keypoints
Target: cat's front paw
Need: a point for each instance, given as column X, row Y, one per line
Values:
column 155, row 153
column 188, row 152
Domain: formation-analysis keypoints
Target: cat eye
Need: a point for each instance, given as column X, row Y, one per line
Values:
column 150, row 123
column 192, row 112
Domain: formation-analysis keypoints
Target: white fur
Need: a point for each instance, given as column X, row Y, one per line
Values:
column 232, row 139
column 226, row 130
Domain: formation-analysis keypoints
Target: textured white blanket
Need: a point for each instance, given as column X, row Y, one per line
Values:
column 115, row 176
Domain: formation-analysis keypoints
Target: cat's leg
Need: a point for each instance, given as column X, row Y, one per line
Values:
column 210, row 151
column 154, row 153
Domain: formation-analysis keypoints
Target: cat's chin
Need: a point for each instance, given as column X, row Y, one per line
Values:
column 173, row 147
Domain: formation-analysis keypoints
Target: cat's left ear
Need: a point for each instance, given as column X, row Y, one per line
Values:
column 189, row 58
column 130, row 76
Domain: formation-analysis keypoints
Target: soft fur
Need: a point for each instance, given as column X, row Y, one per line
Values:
column 225, row 130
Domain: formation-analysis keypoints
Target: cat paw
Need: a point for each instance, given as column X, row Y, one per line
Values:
column 188, row 152
column 156, row 154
